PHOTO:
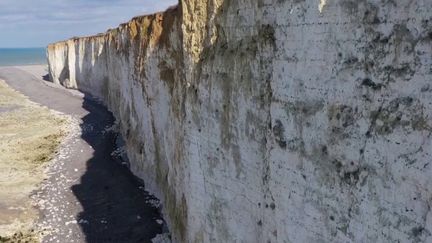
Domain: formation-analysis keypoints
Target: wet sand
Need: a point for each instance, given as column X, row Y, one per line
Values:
column 89, row 196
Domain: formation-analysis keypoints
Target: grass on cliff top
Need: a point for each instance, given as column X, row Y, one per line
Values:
column 29, row 137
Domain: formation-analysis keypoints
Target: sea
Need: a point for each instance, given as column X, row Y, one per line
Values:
column 22, row 56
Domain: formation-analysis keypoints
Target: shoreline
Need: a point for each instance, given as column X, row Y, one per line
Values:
column 22, row 56
column 24, row 65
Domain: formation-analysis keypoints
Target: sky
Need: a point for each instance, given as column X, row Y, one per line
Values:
column 36, row 23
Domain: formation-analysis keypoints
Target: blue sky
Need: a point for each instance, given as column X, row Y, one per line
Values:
column 36, row 23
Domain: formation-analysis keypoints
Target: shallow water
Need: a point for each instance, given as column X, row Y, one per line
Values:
column 22, row 56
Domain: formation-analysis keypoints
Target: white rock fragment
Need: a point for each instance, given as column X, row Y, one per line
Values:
column 71, row 222
column 159, row 221
column 162, row 238
column 83, row 221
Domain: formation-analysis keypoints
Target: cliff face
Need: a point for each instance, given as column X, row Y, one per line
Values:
column 270, row 120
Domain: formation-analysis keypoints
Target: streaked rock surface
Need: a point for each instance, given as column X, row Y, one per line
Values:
column 270, row 120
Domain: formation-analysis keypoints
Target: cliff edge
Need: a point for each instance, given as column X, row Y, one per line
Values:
column 270, row 120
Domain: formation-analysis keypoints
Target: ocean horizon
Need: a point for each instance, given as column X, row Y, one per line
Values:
column 22, row 56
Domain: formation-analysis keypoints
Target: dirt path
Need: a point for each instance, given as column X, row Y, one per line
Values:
column 89, row 197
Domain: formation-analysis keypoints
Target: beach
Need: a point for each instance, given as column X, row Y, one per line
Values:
column 30, row 136
column 69, row 187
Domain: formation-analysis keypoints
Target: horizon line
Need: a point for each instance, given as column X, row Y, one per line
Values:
column 30, row 47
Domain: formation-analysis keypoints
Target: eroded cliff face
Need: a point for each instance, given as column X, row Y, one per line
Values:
column 270, row 120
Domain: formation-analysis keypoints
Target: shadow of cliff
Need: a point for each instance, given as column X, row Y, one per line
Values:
column 46, row 77
column 115, row 206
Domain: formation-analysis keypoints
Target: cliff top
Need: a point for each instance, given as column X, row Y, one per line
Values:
column 169, row 12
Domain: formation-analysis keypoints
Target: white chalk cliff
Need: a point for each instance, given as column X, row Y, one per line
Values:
column 273, row 120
